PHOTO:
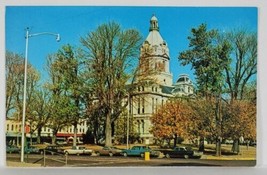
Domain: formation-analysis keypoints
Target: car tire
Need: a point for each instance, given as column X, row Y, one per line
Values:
column 52, row 153
column 78, row 154
column 41, row 152
column 167, row 156
column 142, row 155
column 186, row 156
column 67, row 153
column 110, row 154
column 125, row 154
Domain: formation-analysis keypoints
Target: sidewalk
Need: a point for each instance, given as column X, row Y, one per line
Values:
column 12, row 164
column 245, row 154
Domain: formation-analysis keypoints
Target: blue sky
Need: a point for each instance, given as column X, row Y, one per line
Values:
column 73, row 22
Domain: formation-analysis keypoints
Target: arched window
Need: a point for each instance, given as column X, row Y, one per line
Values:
column 153, row 105
column 12, row 127
column 138, row 106
column 138, row 127
column 143, row 126
column 143, row 105
column 7, row 127
column 156, row 105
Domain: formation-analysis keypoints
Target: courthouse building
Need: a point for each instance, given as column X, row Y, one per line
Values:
column 150, row 96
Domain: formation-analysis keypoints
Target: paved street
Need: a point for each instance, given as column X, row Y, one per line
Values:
column 119, row 161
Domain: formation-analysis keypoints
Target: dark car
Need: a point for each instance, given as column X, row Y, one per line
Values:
column 182, row 152
column 52, row 149
column 109, row 151
column 12, row 149
column 140, row 151
column 252, row 143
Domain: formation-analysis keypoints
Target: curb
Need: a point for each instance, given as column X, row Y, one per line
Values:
column 227, row 158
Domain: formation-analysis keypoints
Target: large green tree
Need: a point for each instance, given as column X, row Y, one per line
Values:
column 209, row 58
column 62, row 107
column 111, row 53
column 72, row 66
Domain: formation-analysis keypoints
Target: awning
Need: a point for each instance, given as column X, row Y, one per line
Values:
column 67, row 135
column 12, row 134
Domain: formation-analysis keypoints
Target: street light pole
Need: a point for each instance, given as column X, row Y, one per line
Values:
column 128, row 114
column 25, row 86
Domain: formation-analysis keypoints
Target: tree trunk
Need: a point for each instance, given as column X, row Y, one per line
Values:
column 175, row 140
column 95, row 132
column 54, row 138
column 30, row 139
column 75, row 135
column 108, row 140
column 218, row 147
column 235, row 146
column 201, row 144
column 169, row 142
column 39, row 135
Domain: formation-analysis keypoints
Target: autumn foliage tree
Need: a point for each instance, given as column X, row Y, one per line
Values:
column 202, row 122
column 240, row 121
column 171, row 121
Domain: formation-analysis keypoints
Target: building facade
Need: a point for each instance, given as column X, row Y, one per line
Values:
column 66, row 134
column 158, row 85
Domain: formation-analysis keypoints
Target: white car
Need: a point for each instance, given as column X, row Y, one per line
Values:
column 78, row 150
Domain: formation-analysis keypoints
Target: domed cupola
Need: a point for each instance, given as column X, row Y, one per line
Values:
column 183, row 86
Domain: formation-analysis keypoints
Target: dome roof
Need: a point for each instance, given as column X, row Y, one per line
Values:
column 154, row 38
column 183, row 78
column 154, row 18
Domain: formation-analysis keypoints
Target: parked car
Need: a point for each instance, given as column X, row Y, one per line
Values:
column 252, row 143
column 52, row 149
column 184, row 152
column 109, row 151
column 12, row 149
column 228, row 142
column 140, row 151
column 78, row 150
column 61, row 143
column 31, row 150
